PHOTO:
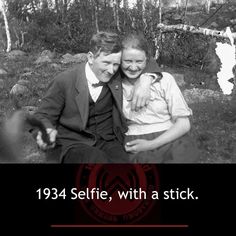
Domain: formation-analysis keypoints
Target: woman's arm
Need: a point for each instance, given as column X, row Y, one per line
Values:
column 180, row 127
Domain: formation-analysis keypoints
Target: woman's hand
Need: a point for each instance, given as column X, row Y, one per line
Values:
column 180, row 127
column 138, row 145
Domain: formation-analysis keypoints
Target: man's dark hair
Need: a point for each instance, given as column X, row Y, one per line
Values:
column 105, row 42
column 136, row 41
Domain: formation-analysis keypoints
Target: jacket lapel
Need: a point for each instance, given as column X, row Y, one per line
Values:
column 116, row 89
column 82, row 98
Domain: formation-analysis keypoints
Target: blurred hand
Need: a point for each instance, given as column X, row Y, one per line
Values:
column 52, row 133
column 138, row 145
column 141, row 93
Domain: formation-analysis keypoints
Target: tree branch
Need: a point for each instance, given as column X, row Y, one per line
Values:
column 195, row 30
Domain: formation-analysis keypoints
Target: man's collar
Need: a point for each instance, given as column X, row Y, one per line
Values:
column 91, row 77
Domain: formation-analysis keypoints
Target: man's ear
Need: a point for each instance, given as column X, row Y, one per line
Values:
column 90, row 57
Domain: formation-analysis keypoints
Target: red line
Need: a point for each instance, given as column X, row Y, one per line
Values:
column 119, row 226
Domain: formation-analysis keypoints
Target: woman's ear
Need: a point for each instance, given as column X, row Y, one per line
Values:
column 90, row 57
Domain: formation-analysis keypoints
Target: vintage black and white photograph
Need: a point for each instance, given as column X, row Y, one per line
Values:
column 118, row 81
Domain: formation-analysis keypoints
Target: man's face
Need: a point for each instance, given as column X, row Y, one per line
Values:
column 104, row 66
column 133, row 62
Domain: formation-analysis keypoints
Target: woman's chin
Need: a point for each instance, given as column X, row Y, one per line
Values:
column 133, row 76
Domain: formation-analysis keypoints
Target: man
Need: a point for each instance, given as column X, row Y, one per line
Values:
column 83, row 108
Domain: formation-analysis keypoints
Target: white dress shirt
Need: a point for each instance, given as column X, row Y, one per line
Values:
column 92, row 79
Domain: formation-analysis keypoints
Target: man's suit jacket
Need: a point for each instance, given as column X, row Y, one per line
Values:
column 65, row 107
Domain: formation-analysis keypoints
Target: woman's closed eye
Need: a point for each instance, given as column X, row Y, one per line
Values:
column 127, row 61
column 139, row 62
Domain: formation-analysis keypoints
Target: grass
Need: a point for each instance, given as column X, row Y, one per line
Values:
column 213, row 125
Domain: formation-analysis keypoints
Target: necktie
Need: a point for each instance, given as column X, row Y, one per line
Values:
column 100, row 83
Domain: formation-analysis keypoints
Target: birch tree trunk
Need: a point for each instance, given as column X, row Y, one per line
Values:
column 115, row 8
column 143, row 14
column 2, row 9
column 64, row 9
column 178, row 2
column 117, row 15
column 208, row 6
column 195, row 30
column 126, row 7
column 158, row 40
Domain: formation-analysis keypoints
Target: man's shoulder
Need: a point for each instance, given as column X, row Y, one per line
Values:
column 117, row 77
column 70, row 74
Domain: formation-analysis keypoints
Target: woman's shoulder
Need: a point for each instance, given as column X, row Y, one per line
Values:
column 166, row 83
column 167, row 76
column 166, row 79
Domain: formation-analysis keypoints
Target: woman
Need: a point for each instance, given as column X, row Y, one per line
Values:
column 158, row 132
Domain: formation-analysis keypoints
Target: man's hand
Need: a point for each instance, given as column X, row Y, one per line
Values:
column 141, row 92
column 138, row 145
column 52, row 133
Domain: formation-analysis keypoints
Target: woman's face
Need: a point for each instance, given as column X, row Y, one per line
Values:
column 133, row 62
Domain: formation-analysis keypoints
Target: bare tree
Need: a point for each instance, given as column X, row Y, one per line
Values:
column 3, row 10
column 143, row 14
column 158, row 40
column 186, row 9
column 117, row 15
column 57, row 6
column 178, row 3
column 115, row 5
column 208, row 5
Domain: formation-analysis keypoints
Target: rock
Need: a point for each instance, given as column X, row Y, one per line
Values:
column 16, row 53
column 214, row 25
column 47, row 53
column 77, row 58
column 18, row 89
column 3, row 72
column 80, row 57
column 26, row 75
column 23, row 82
column 42, row 60
column 67, row 58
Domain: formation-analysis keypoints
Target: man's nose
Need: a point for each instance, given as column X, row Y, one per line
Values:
column 111, row 69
